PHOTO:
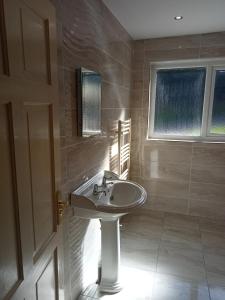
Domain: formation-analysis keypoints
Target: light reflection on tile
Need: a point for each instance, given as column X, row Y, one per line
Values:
column 138, row 251
column 185, row 268
column 215, row 264
column 181, row 262
column 169, row 287
column 217, row 293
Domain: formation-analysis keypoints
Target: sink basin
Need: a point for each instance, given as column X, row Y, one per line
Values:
column 118, row 197
column 107, row 198
column 122, row 196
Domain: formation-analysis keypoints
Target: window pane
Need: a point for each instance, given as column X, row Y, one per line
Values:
column 179, row 101
column 218, row 113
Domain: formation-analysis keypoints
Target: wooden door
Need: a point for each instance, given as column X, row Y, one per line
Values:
column 30, row 240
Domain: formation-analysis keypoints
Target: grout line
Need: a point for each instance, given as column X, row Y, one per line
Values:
column 160, row 243
column 206, row 277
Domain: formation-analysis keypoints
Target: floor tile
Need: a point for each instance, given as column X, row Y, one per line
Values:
column 215, row 267
column 215, row 263
column 167, row 256
column 213, row 242
column 174, row 221
column 148, row 225
column 137, row 285
column 169, row 287
column 138, row 251
column 210, row 225
column 217, row 293
column 215, row 278
column 181, row 262
column 182, row 238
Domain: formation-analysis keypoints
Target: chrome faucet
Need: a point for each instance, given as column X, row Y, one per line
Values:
column 103, row 187
column 96, row 191
column 107, row 176
column 104, row 179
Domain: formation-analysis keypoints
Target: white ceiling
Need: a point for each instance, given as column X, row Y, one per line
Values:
column 155, row 18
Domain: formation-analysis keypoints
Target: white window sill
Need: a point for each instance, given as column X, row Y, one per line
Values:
column 215, row 140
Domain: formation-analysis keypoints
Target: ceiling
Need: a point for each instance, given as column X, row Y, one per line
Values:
column 155, row 18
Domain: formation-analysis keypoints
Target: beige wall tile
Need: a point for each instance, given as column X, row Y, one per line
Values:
column 168, row 204
column 115, row 96
column 208, row 192
column 172, row 43
column 160, row 55
column 168, row 164
column 213, row 155
column 136, row 98
column 88, row 36
column 216, row 39
column 165, row 188
column 167, row 153
column 212, row 52
column 208, row 174
column 207, row 209
column 165, row 171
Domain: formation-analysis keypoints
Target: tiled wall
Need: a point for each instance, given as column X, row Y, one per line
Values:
column 88, row 36
column 181, row 177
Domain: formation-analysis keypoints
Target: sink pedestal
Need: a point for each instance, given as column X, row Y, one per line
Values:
column 110, row 256
column 115, row 199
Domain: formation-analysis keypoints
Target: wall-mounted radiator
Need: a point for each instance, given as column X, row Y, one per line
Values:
column 124, row 145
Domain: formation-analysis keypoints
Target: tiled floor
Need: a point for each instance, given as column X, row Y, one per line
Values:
column 169, row 257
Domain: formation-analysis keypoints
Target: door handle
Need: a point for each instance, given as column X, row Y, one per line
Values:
column 61, row 207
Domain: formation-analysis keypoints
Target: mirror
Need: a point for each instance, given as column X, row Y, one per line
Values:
column 89, row 102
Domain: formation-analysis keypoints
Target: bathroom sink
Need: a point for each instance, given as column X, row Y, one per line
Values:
column 122, row 196
column 107, row 198
column 116, row 198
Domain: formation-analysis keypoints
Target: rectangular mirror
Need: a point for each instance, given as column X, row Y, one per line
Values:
column 89, row 102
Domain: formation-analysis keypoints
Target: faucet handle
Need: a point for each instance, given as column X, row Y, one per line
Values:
column 95, row 189
column 110, row 175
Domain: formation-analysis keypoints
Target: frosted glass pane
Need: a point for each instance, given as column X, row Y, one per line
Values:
column 218, row 113
column 179, row 101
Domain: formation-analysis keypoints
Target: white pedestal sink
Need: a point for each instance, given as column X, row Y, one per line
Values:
column 108, row 201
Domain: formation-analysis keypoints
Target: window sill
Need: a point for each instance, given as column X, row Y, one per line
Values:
column 203, row 141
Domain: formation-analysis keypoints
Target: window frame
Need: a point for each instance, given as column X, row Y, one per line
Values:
column 211, row 65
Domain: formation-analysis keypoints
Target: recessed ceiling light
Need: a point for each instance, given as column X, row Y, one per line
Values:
column 178, row 18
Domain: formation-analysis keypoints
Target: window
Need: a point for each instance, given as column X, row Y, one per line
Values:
column 187, row 100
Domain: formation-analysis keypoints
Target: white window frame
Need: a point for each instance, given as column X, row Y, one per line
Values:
column 211, row 65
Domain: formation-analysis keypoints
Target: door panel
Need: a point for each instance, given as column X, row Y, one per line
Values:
column 41, row 145
column 1, row 51
column 11, row 272
column 29, row 47
column 35, row 42
column 46, row 286
column 30, row 162
column 4, row 67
